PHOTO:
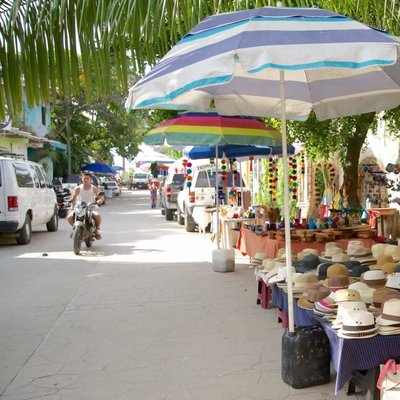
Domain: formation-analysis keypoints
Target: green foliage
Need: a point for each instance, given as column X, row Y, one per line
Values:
column 54, row 45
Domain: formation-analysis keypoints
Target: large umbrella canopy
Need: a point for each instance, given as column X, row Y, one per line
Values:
column 277, row 62
column 234, row 151
column 210, row 128
column 98, row 167
column 334, row 65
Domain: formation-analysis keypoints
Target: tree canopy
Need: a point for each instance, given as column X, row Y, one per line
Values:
column 52, row 45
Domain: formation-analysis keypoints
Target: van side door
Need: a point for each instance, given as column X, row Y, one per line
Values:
column 3, row 201
column 47, row 193
column 39, row 214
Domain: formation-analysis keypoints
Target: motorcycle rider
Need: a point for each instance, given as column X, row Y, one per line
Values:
column 86, row 192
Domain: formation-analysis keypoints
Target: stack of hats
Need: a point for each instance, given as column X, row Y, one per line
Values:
column 358, row 325
column 331, row 248
column 311, row 296
column 258, row 259
column 267, row 265
column 326, row 307
column 344, row 295
column 389, row 321
column 358, row 270
column 344, row 308
column 280, row 275
column 379, row 296
column 387, row 249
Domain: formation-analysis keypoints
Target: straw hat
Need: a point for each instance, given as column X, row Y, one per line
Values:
column 381, row 260
column 344, row 308
column 306, row 252
column 337, row 282
column 393, row 281
column 258, row 258
column 364, row 290
column 378, row 249
column 313, row 295
column 340, row 257
column 304, row 281
column 346, row 295
column 358, row 270
column 358, row 325
column 378, row 297
column 337, row 269
column 331, row 251
column 308, row 263
column 281, row 275
column 374, row 278
column 267, row 265
column 392, row 250
column 390, row 313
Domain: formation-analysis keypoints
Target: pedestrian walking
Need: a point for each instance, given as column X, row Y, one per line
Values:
column 153, row 193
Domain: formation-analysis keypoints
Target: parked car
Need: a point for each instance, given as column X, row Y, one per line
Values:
column 27, row 198
column 201, row 193
column 141, row 180
column 112, row 185
column 169, row 193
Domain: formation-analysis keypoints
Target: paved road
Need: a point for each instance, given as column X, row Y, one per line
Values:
column 141, row 316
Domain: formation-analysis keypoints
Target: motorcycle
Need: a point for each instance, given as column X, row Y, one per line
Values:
column 63, row 201
column 84, row 225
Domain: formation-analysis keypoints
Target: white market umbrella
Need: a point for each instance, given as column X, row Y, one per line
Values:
column 276, row 62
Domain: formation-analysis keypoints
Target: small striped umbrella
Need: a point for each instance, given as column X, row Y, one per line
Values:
column 211, row 129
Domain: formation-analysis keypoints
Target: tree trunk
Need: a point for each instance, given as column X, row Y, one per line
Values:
column 350, row 167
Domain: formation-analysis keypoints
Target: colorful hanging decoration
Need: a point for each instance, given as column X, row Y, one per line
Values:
column 223, row 171
column 188, row 173
column 212, row 168
column 303, row 162
column 273, row 178
column 292, row 183
column 232, row 196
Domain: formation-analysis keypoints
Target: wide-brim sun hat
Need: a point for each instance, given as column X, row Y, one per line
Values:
column 390, row 313
column 358, row 325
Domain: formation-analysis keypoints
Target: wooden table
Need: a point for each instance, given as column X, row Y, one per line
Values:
column 389, row 215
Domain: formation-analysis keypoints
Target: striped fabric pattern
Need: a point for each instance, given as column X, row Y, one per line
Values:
column 210, row 128
column 334, row 65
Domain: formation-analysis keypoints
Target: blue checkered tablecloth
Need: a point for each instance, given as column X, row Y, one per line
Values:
column 347, row 355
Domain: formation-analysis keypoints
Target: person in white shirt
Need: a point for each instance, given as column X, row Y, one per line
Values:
column 86, row 192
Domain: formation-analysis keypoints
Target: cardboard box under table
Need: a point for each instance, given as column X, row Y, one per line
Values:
column 349, row 356
column 249, row 243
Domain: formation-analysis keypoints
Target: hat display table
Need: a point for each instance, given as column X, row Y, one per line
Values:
column 348, row 356
column 249, row 243
column 227, row 232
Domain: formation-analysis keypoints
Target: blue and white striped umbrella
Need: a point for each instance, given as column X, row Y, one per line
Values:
column 333, row 64
column 277, row 62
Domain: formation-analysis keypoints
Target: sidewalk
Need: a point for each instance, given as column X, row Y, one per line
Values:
column 160, row 324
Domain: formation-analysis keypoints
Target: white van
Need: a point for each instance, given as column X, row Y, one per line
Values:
column 26, row 198
column 201, row 193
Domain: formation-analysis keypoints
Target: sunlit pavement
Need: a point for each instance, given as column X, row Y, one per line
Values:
column 141, row 315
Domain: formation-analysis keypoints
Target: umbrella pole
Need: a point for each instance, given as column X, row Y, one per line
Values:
column 286, row 205
column 216, row 195
column 241, row 184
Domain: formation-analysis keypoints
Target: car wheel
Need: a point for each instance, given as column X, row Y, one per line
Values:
column 169, row 214
column 180, row 218
column 190, row 225
column 52, row 225
column 25, row 233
